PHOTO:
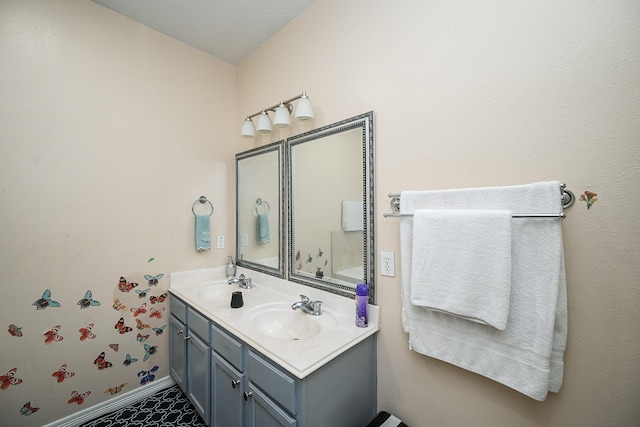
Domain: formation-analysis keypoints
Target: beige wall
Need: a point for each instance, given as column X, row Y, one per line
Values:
column 472, row 93
column 109, row 132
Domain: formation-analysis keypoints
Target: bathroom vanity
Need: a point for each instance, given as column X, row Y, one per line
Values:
column 265, row 364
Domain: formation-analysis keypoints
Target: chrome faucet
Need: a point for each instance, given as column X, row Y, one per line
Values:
column 305, row 305
column 243, row 282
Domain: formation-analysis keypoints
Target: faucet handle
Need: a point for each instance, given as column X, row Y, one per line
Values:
column 317, row 308
column 304, row 298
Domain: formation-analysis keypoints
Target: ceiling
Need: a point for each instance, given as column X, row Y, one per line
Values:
column 227, row 29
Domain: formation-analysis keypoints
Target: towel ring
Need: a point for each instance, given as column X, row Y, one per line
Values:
column 261, row 202
column 202, row 200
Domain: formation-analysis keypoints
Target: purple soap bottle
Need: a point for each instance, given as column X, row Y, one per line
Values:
column 362, row 308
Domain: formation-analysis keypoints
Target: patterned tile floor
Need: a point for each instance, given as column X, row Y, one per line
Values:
column 169, row 407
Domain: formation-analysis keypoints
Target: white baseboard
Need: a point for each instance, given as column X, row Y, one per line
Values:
column 114, row 404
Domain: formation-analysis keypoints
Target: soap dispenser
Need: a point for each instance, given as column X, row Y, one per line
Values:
column 231, row 269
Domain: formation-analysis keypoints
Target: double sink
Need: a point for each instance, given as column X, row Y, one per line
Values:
column 298, row 341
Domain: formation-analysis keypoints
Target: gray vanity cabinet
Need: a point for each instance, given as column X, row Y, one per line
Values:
column 190, row 363
column 233, row 385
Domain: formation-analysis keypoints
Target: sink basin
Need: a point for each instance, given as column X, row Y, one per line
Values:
column 279, row 320
column 220, row 291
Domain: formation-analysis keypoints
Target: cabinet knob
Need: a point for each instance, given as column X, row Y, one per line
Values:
column 179, row 331
column 186, row 337
column 247, row 395
column 235, row 383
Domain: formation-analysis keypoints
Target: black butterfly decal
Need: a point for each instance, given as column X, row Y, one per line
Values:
column 45, row 301
column 87, row 301
column 153, row 280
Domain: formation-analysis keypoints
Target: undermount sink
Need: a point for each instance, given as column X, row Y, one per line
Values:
column 279, row 320
column 220, row 291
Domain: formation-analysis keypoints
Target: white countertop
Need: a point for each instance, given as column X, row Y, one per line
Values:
column 299, row 357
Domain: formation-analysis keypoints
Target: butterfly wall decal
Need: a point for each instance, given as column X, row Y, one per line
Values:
column 118, row 305
column 139, row 310
column 125, row 286
column 78, row 397
column 159, row 330
column 150, row 350
column 153, row 280
column 45, row 301
column 114, row 347
column 117, row 389
column 27, row 409
column 157, row 313
column 15, row 331
column 121, row 327
column 85, row 333
column 129, row 360
column 142, row 294
column 88, row 301
column 62, row 373
column 142, row 338
column 141, row 325
column 147, row 376
column 53, row 335
column 9, row 379
column 158, row 299
column 101, row 362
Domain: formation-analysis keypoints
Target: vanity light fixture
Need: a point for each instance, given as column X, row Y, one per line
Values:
column 281, row 118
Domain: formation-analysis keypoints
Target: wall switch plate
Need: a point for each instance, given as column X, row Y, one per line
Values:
column 388, row 264
column 245, row 240
column 220, row 242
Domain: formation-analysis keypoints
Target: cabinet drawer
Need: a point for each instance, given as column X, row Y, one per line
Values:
column 178, row 308
column 273, row 381
column 198, row 324
column 227, row 347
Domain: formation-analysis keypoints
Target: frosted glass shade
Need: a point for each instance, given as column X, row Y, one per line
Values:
column 248, row 130
column 304, row 110
column 264, row 123
column 281, row 118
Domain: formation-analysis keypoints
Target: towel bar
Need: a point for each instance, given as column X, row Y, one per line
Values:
column 568, row 198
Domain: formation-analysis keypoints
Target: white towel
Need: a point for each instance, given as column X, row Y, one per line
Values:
column 352, row 216
column 528, row 355
column 461, row 263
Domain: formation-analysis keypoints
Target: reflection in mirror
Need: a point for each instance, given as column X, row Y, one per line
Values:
column 260, row 218
column 331, row 243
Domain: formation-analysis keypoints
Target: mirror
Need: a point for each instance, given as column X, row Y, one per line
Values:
column 330, row 217
column 260, row 209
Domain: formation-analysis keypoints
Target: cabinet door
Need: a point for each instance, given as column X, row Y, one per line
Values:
column 178, row 351
column 199, row 372
column 263, row 412
column 227, row 388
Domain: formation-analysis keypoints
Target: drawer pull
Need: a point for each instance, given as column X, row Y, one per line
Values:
column 235, row 383
column 247, row 395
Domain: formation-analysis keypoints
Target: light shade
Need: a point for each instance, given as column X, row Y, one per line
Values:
column 304, row 110
column 281, row 117
column 264, row 123
column 248, row 130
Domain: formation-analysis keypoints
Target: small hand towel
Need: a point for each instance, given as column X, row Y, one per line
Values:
column 352, row 216
column 461, row 263
column 203, row 234
column 262, row 233
column 528, row 355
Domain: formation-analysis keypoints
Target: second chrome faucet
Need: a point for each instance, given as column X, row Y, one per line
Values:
column 305, row 305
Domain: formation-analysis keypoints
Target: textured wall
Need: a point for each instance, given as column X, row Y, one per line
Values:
column 109, row 131
column 488, row 93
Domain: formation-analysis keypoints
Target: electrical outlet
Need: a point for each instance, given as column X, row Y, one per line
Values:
column 388, row 264
column 220, row 241
column 245, row 240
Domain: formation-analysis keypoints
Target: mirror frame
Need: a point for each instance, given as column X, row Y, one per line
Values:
column 365, row 122
column 280, row 270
